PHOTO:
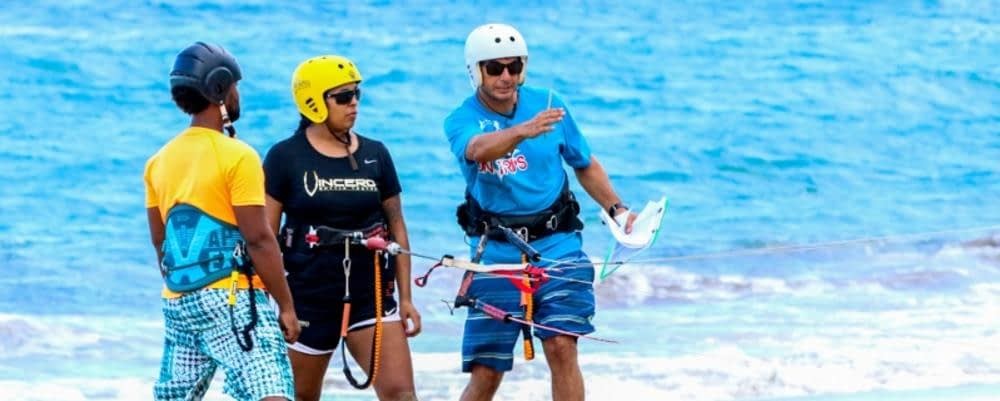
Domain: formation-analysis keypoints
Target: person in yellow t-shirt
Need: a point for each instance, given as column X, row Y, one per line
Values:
column 205, row 205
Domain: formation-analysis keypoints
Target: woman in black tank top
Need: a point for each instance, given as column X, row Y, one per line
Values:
column 333, row 186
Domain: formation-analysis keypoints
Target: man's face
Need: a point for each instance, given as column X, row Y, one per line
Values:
column 501, row 77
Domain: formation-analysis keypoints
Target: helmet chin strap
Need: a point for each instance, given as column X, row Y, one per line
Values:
column 226, row 124
column 346, row 142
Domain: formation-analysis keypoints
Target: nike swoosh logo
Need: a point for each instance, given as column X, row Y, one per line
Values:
column 370, row 161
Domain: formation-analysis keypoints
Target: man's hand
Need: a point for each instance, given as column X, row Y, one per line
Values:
column 629, row 219
column 289, row 325
column 543, row 122
column 408, row 312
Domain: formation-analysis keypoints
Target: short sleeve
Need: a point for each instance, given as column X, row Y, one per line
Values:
column 460, row 129
column 575, row 150
column 151, row 199
column 388, row 181
column 246, row 180
column 274, row 174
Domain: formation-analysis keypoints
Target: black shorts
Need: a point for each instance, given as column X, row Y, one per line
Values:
column 316, row 280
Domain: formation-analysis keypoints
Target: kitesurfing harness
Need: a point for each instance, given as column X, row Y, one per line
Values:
column 199, row 250
column 561, row 216
column 323, row 238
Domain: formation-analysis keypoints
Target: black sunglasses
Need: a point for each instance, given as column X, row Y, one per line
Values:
column 496, row 68
column 344, row 97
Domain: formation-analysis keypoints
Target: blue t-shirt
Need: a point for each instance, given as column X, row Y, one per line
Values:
column 529, row 178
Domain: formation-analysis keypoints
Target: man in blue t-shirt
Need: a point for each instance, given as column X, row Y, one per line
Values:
column 511, row 141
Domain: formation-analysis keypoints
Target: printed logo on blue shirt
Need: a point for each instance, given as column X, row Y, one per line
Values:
column 483, row 123
column 511, row 164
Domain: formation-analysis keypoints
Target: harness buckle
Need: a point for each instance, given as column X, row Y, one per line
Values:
column 553, row 222
column 523, row 233
column 312, row 237
column 238, row 251
column 240, row 254
column 289, row 237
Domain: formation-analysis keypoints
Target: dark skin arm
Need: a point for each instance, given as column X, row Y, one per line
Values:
column 156, row 232
column 273, row 209
column 393, row 210
column 266, row 256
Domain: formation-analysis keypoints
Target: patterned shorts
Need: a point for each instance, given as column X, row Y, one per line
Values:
column 199, row 339
column 565, row 305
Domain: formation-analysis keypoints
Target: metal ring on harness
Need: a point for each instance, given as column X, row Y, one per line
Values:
column 553, row 222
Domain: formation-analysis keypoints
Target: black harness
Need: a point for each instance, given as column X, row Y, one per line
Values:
column 561, row 216
column 317, row 238
column 310, row 238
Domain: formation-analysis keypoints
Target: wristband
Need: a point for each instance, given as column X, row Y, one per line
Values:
column 613, row 209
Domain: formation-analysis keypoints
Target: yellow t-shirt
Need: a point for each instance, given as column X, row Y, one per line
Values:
column 210, row 171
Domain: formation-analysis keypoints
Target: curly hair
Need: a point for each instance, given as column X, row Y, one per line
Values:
column 189, row 100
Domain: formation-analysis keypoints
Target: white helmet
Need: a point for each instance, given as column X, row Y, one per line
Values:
column 492, row 41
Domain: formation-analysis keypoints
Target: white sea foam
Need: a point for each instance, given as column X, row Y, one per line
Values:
column 722, row 373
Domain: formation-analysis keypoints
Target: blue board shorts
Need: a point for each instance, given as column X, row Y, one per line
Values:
column 199, row 339
column 565, row 305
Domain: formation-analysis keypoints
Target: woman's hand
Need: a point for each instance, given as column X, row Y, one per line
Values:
column 410, row 317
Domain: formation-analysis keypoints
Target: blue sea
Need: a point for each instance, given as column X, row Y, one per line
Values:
column 831, row 169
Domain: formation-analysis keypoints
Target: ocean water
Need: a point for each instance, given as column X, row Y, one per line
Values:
column 831, row 168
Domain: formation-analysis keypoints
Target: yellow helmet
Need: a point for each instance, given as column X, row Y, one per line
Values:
column 314, row 77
